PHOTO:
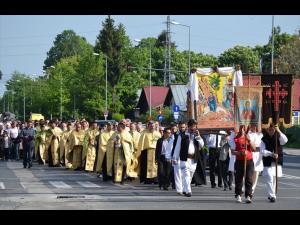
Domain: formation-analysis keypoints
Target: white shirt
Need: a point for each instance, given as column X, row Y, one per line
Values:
column 13, row 132
column 282, row 140
column 6, row 142
column 255, row 137
column 191, row 149
column 164, row 147
column 211, row 140
column 237, row 78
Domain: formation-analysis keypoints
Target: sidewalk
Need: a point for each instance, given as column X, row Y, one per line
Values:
column 291, row 151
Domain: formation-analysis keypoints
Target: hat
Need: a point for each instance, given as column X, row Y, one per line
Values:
column 222, row 132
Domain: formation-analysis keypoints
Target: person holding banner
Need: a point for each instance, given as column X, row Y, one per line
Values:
column 273, row 139
column 243, row 149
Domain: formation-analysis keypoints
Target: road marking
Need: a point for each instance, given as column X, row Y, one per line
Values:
column 59, row 184
column 23, row 186
column 88, row 184
column 290, row 184
column 2, row 185
column 290, row 176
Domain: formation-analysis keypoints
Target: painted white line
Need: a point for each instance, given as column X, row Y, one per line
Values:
column 2, row 185
column 87, row 184
column 23, row 185
column 290, row 176
column 290, row 184
column 59, row 184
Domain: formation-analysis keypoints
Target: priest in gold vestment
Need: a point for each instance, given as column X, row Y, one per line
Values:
column 136, row 137
column 76, row 146
column 91, row 147
column 119, row 152
column 64, row 147
column 146, row 153
column 53, row 138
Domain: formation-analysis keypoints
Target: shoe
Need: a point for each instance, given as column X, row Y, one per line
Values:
column 220, row 185
column 180, row 193
column 225, row 189
column 272, row 199
column 238, row 199
column 184, row 193
column 24, row 167
column 165, row 188
column 213, row 186
column 188, row 195
column 248, row 199
column 230, row 188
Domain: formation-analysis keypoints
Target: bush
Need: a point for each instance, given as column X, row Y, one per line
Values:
column 293, row 134
column 117, row 116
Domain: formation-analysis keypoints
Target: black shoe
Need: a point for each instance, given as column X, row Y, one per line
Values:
column 188, row 195
column 30, row 166
column 213, row 186
column 24, row 167
column 220, row 185
column 184, row 193
column 230, row 188
column 225, row 189
column 165, row 188
column 272, row 199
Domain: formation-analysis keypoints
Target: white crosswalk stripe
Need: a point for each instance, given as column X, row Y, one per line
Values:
column 59, row 184
column 87, row 184
column 287, row 176
column 2, row 185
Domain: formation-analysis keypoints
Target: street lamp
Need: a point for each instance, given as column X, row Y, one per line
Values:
column 24, row 104
column 150, row 75
column 53, row 67
column 97, row 54
column 176, row 23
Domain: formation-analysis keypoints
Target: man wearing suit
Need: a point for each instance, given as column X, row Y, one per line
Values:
column 164, row 167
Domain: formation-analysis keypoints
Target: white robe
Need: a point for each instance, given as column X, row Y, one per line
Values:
column 257, row 156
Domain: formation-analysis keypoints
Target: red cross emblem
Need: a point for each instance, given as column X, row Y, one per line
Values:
column 276, row 93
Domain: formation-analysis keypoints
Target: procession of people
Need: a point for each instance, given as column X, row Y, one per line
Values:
column 172, row 159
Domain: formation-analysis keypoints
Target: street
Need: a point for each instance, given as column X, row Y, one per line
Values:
column 42, row 187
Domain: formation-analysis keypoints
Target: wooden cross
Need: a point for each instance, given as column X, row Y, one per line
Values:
column 277, row 93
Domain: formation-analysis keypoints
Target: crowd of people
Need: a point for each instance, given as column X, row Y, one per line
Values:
column 170, row 157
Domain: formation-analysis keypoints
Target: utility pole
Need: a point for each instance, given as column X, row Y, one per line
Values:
column 272, row 59
column 167, row 77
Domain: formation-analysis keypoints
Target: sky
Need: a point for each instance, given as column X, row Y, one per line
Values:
column 25, row 40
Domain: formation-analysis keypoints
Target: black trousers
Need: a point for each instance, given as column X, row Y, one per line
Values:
column 28, row 153
column 239, row 174
column 143, row 175
column 163, row 172
column 227, row 176
column 213, row 159
column 104, row 169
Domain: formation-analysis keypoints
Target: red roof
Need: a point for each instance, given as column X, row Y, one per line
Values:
column 296, row 95
column 158, row 95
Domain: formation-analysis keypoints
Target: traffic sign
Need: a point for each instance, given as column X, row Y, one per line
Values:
column 176, row 116
column 295, row 113
column 160, row 118
column 176, row 113
column 176, row 108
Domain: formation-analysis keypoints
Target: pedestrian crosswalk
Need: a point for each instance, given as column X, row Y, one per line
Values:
column 2, row 185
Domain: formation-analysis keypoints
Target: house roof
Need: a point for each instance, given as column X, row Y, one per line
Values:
column 296, row 95
column 158, row 95
column 179, row 94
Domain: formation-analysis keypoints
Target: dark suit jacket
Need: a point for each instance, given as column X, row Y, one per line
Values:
column 158, row 148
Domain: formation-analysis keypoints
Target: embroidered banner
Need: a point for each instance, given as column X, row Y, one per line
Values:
column 277, row 94
column 248, row 106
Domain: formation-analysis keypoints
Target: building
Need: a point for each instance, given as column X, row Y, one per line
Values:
column 177, row 95
column 158, row 96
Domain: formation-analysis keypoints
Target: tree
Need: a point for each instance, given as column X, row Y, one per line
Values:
column 112, row 41
column 245, row 56
column 161, row 40
column 66, row 44
column 289, row 57
column 265, row 52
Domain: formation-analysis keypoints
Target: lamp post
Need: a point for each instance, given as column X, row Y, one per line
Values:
column 60, row 93
column 150, row 75
column 176, row 23
column 272, row 54
column 97, row 54
column 24, row 99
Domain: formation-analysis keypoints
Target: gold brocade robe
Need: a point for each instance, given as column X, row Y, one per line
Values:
column 91, row 149
column 119, row 152
column 76, row 147
column 135, row 166
column 147, row 143
column 103, row 139
column 41, row 146
column 53, row 141
column 64, row 149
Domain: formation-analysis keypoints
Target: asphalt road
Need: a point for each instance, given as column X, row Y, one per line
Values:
column 47, row 188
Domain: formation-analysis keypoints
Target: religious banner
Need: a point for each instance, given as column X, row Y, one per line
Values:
column 248, row 106
column 277, row 99
column 212, row 90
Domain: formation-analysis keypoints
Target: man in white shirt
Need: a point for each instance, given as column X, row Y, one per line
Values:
column 237, row 76
column 187, row 149
column 13, row 133
column 213, row 142
column 270, row 155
